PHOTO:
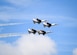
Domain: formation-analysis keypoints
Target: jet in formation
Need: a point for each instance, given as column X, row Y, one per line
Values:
column 43, row 32
column 32, row 31
column 38, row 21
column 47, row 24
column 38, row 31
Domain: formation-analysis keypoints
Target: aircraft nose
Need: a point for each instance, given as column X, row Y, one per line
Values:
column 28, row 29
column 33, row 19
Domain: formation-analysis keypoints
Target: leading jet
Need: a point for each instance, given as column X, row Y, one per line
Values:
column 38, row 21
column 32, row 31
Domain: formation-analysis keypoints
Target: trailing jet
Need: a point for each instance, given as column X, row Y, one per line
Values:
column 43, row 32
column 32, row 31
column 46, row 24
column 38, row 21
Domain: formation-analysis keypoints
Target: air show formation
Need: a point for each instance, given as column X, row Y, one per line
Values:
column 45, row 24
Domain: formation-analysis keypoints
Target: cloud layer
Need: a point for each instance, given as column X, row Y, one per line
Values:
column 29, row 45
column 75, row 51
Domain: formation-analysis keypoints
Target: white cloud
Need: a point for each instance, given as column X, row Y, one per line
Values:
column 8, row 49
column 29, row 45
column 8, row 24
column 75, row 51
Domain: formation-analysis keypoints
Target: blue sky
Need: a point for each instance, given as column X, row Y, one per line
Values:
column 62, row 12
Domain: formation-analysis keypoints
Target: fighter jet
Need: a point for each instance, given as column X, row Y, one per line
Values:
column 32, row 31
column 47, row 24
column 43, row 32
column 38, row 21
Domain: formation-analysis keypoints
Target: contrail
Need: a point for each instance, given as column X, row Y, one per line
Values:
column 10, row 34
column 8, row 24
